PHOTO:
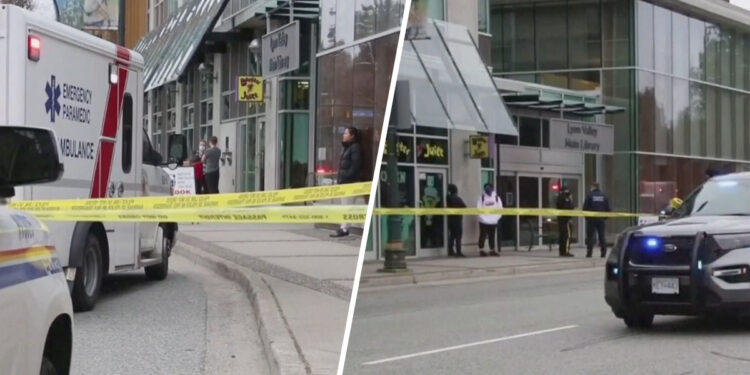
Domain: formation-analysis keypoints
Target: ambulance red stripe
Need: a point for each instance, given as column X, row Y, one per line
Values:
column 105, row 155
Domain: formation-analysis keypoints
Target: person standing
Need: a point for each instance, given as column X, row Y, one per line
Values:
column 211, row 166
column 455, row 222
column 350, row 169
column 488, row 222
column 598, row 202
column 564, row 202
column 200, row 180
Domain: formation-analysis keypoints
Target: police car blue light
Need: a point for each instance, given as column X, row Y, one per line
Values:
column 652, row 243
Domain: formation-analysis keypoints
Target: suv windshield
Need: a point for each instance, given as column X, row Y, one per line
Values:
column 718, row 197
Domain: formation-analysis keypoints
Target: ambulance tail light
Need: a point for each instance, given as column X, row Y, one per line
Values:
column 35, row 48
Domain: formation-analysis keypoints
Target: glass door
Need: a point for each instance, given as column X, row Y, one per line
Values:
column 528, row 197
column 431, row 194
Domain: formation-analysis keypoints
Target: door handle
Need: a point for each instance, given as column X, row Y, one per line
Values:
column 120, row 190
column 111, row 190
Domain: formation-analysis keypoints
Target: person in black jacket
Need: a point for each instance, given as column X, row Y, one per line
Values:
column 564, row 202
column 350, row 169
column 455, row 222
column 598, row 202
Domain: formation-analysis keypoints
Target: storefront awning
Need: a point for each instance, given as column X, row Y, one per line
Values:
column 576, row 104
column 168, row 50
column 449, row 84
column 237, row 13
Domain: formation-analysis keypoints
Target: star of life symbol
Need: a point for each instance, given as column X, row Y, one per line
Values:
column 52, row 106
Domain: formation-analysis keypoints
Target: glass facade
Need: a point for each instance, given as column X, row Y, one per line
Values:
column 683, row 80
column 344, row 100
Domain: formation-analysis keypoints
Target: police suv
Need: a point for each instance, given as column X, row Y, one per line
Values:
column 36, row 313
column 696, row 262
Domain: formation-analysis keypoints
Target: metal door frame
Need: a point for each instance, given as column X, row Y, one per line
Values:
column 539, row 177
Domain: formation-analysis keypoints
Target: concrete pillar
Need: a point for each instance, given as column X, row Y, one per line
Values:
column 466, row 174
column 271, row 141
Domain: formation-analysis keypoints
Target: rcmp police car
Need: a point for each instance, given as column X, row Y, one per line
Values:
column 696, row 262
column 36, row 314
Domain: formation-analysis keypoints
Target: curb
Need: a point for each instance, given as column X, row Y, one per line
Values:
column 278, row 344
column 409, row 278
column 261, row 266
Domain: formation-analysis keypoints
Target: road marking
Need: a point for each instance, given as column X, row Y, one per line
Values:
column 484, row 342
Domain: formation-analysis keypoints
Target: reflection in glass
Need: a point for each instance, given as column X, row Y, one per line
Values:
column 680, row 45
column 551, row 36
column 431, row 193
column 662, row 40
column 585, row 45
column 405, row 199
column 645, row 34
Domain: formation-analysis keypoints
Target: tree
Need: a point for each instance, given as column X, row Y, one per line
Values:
column 28, row 4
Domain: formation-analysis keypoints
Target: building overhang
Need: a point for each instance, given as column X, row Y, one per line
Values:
column 169, row 50
column 519, row 94
column 449, row 85
column 256, row 12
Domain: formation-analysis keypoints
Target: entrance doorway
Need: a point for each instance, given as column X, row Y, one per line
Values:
column 432, row 229
column 252, row 140
column 536, row 191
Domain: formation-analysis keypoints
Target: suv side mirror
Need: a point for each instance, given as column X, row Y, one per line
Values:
column 27, row 156
column 177, row 148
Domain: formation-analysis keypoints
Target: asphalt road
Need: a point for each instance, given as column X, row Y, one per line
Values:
column 194, row 322
column 534, row 324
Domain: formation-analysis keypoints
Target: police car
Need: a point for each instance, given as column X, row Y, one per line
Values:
column 36, row 313
column 696, row 262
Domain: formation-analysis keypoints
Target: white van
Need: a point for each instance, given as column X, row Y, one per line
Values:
column 90, row 92
column 36, row 314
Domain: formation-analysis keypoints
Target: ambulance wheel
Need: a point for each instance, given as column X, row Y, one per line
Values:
column 48, row 368
column 89, row 276
column 159, row 272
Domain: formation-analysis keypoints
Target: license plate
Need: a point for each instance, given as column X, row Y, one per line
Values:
column 665, row 285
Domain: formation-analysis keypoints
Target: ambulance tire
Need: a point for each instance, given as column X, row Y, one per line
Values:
column 88, row 282
column 159, row 272
column 48, row 368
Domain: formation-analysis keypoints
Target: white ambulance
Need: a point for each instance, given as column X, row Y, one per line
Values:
column 90, row 93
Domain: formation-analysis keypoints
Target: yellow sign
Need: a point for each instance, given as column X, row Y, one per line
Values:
column 250, row 89
column 479, row 147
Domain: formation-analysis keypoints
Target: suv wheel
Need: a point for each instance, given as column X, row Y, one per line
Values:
column 638, row 320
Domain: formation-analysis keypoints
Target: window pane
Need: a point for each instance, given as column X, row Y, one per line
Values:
column 713, row 120
column 663, row 119
column 364, row 18
column 727, row 125
column 328, row 23
column 364, row 73
column 295, row 149
column 616, row 33
column 518, row 39
column 662, row 40
column 530, row 132
column 127, row 133
column 295, row 94
column 740, row 122
column 645, row 40
column 697, row 48
column 680, row 45
column 712, row 48
column 343, row 76
column 726, row 52
column 434, row 8
column 344, row 22
column 551, row 34
column 647, row 111
column 680, row 116
column 740, row 62
column 389, row 14
column 484, row 17
column 697, row 119
column 585, row 35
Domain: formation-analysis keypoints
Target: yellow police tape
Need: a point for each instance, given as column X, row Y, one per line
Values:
column 294, row 214
column 280, row 214
column 194, row 202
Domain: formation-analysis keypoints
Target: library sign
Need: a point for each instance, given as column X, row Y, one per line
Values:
column 586, row 137
column 281, row 50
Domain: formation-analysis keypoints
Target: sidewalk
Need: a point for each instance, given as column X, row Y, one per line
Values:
column 304, row 276
column 448, row 268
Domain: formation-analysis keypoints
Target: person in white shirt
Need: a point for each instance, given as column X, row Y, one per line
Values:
column 488, row 222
